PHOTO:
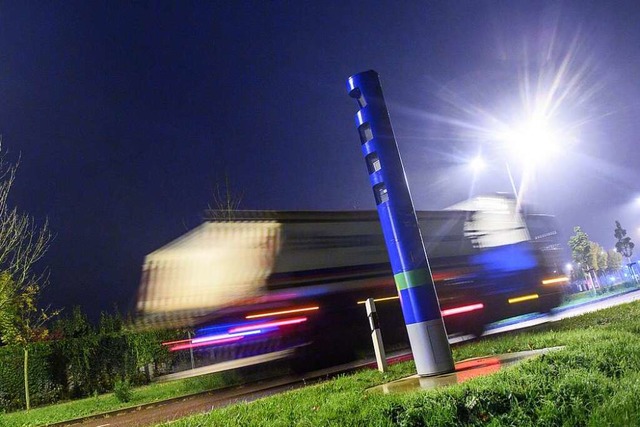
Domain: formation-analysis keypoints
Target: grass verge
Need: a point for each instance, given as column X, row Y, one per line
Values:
column 108, row 402
column 594, row 381
column 604, row 292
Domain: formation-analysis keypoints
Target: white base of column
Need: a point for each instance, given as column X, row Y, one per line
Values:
column 430, row 347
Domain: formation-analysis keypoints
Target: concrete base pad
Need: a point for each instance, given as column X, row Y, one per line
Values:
column 465, row 370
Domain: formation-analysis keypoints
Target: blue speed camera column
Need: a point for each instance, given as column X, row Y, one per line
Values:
column 411, row 271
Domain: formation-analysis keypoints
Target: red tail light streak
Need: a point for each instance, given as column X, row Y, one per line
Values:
column 462, row 309
column 175, row 342
column 232, row 335
column 446, row 312
column 206, row 343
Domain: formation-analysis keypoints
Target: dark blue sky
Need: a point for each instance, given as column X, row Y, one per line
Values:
column 126, row 114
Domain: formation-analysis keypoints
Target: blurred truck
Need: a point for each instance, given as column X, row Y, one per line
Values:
column 263, row 281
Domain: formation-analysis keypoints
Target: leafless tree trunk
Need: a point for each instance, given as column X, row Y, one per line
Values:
column 225, row 202
column 22, row 241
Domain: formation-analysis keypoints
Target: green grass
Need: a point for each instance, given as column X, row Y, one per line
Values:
column 606, row 291
column 594, row 381
column 108, row 402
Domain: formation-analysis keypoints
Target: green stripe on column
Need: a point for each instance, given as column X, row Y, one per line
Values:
column 412, row 278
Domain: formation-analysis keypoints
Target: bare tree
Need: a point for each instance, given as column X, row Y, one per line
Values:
column 225, row 201
column 23, row 242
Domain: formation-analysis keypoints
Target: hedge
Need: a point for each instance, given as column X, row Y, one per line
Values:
column 42, row 385
column 82, row 366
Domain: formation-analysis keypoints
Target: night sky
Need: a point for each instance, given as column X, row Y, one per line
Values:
column 127, row 114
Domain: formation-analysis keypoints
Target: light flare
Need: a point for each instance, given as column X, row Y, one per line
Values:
column 531, row 105
column 278, row 313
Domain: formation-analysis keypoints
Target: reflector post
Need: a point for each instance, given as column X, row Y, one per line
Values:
column 376, row 335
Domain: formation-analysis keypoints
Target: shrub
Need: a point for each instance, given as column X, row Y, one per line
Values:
column 81, row 360
column 123, row 390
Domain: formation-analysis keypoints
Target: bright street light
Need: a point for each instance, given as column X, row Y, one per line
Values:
column 477, row 164
column 532, row 140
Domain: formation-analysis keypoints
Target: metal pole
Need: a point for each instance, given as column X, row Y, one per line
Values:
column 376, row 335
column 409, row 263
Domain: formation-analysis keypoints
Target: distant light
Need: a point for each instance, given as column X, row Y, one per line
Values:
column 463, row 309
column 569, row 266
column 523, row 298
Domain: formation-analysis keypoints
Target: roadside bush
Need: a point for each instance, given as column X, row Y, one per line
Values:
column 80, row 366
column 123, row 390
